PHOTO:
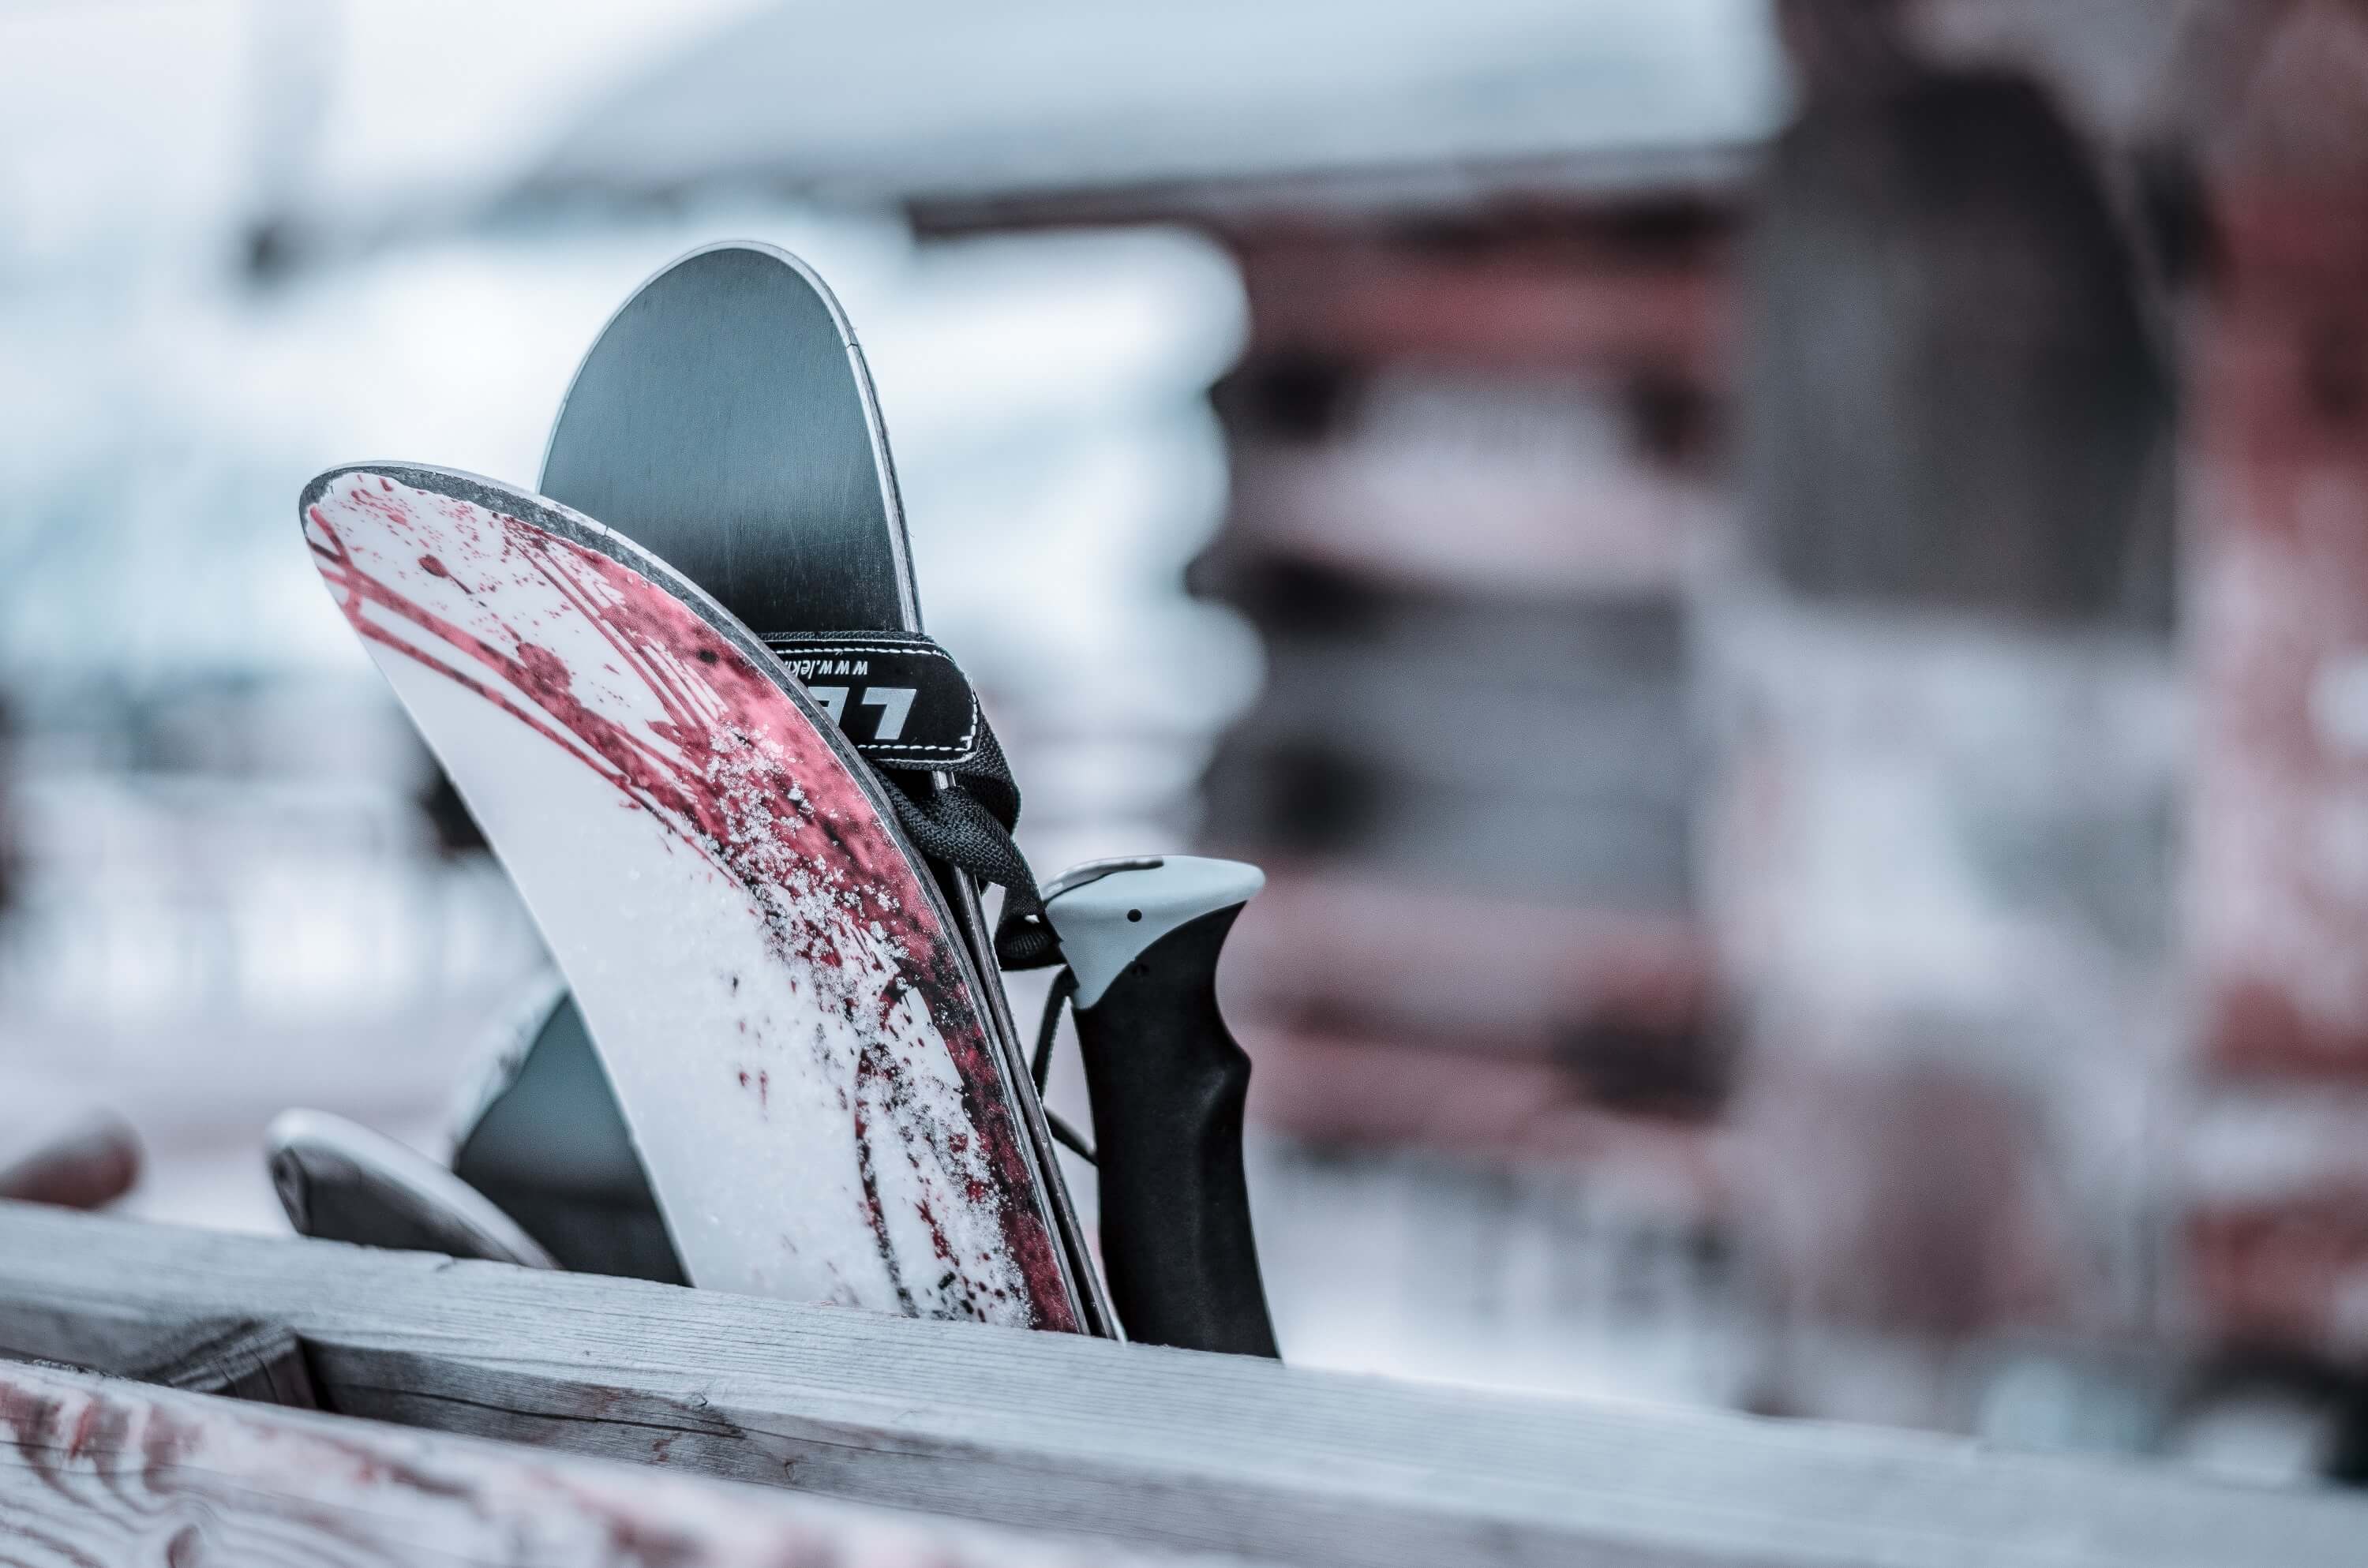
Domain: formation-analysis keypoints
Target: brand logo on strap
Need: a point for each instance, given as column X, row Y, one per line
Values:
column 896, row 697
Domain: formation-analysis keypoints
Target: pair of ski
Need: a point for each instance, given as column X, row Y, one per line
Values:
column 707, row 739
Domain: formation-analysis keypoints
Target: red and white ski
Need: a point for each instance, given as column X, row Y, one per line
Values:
column 778, row 994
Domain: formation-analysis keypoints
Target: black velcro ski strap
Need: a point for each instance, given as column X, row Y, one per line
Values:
column 909, row 710
column 898, row 697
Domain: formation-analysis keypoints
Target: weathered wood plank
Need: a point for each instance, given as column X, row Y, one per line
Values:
column 100, row 1470
column 241, row 1360
column 1157, row 1446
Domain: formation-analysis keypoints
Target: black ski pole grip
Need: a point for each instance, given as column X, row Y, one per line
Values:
column 1167, row 1082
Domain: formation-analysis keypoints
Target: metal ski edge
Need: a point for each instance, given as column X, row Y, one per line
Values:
column 1050, row 1195
column 961, row 891
column 978, row 934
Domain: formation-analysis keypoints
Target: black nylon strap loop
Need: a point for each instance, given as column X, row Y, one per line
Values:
column 966, row 821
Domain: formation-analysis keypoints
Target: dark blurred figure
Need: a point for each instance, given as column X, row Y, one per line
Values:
column 1954, row 399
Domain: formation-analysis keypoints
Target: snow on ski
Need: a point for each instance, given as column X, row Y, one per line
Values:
column 779, row 997
column 724, row 419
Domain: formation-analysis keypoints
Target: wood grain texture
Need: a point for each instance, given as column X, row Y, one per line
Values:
column 100, row 1470
column 237, row 1358
column 1154, row 1446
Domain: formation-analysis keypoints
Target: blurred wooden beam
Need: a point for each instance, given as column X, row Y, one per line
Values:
column 1486, row 192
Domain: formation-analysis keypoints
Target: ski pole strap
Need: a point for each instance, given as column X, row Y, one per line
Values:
column 1040, row 1063
column 907, row 709
column 967, row 823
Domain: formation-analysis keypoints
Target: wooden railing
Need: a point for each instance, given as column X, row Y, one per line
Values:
column 101, row 1471
column 1102, row 1450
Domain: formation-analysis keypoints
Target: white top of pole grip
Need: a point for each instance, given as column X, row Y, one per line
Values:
column 1106, row 911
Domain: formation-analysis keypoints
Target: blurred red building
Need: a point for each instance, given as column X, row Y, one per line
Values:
column 2277, row 1228
column 1485, row 452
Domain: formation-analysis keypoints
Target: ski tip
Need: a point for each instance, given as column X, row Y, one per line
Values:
column 339, row 1180
column 693, row 263
column 382, row 475
column 695, row 272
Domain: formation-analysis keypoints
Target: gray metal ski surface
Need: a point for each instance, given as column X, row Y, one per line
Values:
column 725, row 421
